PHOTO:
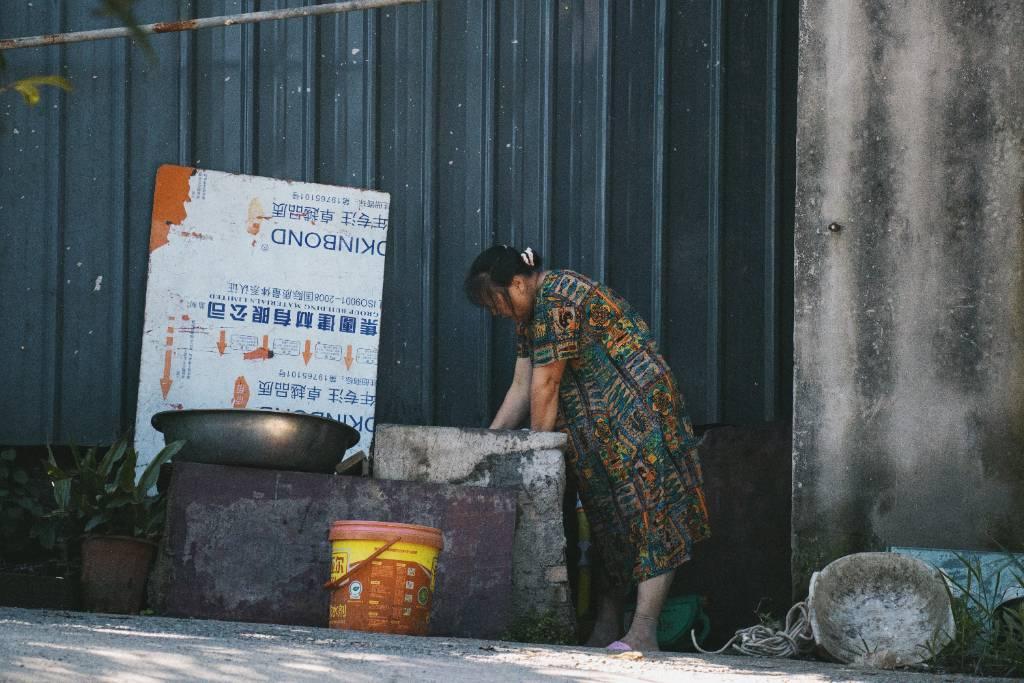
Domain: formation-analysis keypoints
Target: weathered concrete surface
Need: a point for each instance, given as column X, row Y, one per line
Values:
column 57, row 647
column 252, row 545
column 744, row 567
column 531, row 463
column 909, row 320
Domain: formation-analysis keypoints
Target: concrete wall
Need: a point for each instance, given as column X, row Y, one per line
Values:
column 530, row 464
column 249, row 544
column 909, row 399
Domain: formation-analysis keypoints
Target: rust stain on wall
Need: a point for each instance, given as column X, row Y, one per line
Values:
column 169, row 200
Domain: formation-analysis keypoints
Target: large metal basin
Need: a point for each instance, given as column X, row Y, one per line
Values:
column 257, row 438
column 880, row 609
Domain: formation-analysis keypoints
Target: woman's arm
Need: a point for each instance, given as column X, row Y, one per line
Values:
column 544, row 396
column 516, row 406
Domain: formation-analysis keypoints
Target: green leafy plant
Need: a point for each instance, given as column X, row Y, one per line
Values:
column 102, row 494
column 28, row 523
column 19, row 504
column 988, row 638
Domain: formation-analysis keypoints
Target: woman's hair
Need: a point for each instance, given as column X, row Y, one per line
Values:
column 492, row 272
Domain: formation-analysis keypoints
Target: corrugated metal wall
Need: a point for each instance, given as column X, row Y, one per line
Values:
column 648, row 143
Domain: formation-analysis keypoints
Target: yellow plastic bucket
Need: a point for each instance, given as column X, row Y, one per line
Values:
column 382, row 576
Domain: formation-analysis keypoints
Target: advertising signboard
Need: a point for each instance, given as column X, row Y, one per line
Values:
column 262, row 294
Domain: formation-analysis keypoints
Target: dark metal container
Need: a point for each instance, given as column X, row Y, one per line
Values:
column 257, row 438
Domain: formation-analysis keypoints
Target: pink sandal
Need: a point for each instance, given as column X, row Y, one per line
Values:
column 619, row 646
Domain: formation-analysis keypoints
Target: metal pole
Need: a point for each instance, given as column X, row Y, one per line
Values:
column 193, row 24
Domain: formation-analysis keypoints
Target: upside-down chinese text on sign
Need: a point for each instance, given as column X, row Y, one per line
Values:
column 263, row 294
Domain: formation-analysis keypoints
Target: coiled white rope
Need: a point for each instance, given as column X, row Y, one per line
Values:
column 761, row 641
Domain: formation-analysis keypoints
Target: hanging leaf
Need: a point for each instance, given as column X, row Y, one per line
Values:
column 29, row 87
column 113, row 456
column 149, row 476
column 124, row 11
column 90, row 458
column 52, row 470
column 76, row 455
column 126, row 478
column 118, row 503
column 97, row 519
column 62, row 494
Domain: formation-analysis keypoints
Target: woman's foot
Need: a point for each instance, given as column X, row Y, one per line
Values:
column 650, row 597
column 642, row 634
column 604, row 633
column 608, row 626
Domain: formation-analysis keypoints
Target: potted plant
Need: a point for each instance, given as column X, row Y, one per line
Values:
column 35, row 567
column 119, row 518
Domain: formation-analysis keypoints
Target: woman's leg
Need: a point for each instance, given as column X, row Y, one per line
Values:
column 650, row 597
column 610, row 609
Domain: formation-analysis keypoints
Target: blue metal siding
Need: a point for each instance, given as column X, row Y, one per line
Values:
column 407, row 80
column 644, row 142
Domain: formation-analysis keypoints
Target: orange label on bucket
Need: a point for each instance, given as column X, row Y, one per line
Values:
column 393, row 593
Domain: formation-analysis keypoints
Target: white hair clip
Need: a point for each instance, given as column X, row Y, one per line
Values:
column 527, row 257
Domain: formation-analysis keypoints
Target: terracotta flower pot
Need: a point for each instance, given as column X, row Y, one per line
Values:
column 114, row 573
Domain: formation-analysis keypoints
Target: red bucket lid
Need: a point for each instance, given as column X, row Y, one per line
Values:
column 365, row 530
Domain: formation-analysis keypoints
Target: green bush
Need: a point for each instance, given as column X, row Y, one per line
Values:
column 100, row 494
column 25, row 524
column 988, row 639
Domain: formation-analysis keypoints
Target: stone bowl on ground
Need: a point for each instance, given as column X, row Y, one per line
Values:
column 880, row 610
column 257, row 438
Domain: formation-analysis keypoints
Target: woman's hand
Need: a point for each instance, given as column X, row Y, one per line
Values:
column 544, row 396
column 516, row 406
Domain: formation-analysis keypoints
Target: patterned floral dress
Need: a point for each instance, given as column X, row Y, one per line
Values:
column 631, row 445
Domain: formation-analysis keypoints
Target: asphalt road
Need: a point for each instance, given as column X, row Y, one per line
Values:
column 38, row 646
